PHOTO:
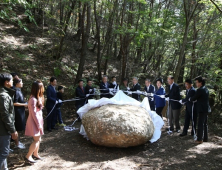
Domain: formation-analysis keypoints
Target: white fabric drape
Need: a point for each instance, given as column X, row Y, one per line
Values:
column 122, row 99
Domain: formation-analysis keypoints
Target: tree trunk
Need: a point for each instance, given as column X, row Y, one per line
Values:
column 65, row 29
column 85, row 36
column 189, row 15
column 193, row 55
column 98, row 41
column 80, row 26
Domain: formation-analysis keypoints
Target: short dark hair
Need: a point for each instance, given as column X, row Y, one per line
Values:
column 200, row 80
column 89, row 80
column 80, row 80
column 113, row 77
column 4, row 77
column 125, row 79
column 171, row 77
column 14, row 74
column 16, row 81
column 148, row 80
column 160, row 80
column 60, row 88
column 188, row 81
column 52, row 79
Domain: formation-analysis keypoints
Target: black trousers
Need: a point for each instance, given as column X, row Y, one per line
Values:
column 152, row 107
column 202, row 133
column 188, row 117
column 159, row 111
column 51, row 119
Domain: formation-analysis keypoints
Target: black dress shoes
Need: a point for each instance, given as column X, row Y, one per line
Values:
column 168, row 129
column 178, row 130
column 183, row 134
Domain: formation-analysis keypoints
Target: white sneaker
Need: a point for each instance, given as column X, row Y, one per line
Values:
column 20, row 146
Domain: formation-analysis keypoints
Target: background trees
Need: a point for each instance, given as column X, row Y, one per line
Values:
column 145, row 38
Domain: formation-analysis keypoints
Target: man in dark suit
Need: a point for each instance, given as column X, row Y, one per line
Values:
column 149, row 88
column 89, row 89
column 191, row 113
column 136, row 86
column 174, row 106
column 81, row 94
column 50, row 103
column 203, row 108
column 114, row 85
column 104, row 87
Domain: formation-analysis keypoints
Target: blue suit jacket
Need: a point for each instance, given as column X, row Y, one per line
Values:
column 160, row 102
column 51, row 96
column 151, row 90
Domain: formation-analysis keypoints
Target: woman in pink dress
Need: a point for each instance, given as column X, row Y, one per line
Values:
column 34, row 124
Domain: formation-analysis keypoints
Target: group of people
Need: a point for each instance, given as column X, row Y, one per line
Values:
column 12, row 108
column 196, row 101
column 197, row 106
column 13, row 119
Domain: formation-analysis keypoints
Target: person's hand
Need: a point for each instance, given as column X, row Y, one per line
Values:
column 151, row 94
column 87, row 95
column 111, row 93
column 139, row 92
column 162, row 96
column 128, row 88
column 14, row 135
column 40, row 128
column 129, row 92
column 167, row 99
column 90, row 90
column 26, row 104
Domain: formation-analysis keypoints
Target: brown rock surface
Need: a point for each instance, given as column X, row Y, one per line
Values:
column 118, row 125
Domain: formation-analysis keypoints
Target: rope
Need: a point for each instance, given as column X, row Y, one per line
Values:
column 195, row 136
column 194, row 132
column 70, row 128
column 62, row 102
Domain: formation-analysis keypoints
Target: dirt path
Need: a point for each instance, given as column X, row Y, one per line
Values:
column 69, row 150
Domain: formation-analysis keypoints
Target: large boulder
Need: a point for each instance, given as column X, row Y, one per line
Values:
column 118, row 125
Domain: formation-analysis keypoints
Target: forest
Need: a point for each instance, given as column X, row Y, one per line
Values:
column 80, row 39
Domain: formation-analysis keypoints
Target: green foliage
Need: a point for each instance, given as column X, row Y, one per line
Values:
column 7, row 12
column 57, row 71
column 22, row 56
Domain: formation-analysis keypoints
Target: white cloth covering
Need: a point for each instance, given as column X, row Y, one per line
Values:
column 122, row 99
